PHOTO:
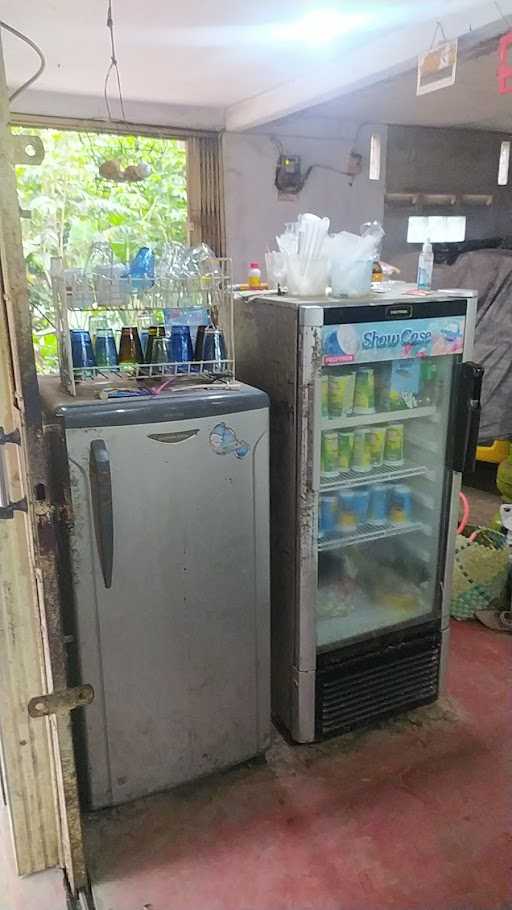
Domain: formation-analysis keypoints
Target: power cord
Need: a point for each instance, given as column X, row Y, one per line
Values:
column 33, row 45
column 327, row 167
column 323, row 167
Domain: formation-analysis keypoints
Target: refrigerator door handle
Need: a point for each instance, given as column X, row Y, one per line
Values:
column 467, row 421
column 101, row 495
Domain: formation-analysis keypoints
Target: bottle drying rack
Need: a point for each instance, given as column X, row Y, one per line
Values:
column 77, row 296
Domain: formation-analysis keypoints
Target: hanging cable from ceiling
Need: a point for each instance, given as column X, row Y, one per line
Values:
column 113, row 67
column 111, row 169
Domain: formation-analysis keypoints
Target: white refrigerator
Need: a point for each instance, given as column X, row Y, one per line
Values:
column 165, row 547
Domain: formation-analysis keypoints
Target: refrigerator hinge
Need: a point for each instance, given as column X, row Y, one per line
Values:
column 61, row 702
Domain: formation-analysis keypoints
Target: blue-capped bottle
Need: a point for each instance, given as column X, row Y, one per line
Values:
column 142, row 269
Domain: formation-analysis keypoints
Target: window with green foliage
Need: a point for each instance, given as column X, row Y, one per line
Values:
column 71, row 206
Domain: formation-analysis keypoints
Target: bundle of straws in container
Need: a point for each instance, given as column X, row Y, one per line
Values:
column 309, row 260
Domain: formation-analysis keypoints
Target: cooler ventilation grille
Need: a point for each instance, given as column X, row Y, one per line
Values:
column 368, row 688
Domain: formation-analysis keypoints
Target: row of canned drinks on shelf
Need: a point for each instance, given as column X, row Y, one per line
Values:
column 361, row 450
column 394, row 386
column 378, row 506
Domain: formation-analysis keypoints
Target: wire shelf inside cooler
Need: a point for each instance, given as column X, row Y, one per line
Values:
column 377, row 475
column 347, row 423
column 367, row 532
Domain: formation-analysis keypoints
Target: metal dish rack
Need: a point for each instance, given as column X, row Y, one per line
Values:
column 77, row 296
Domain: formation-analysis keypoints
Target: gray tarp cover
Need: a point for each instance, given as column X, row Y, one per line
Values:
column 490, row 273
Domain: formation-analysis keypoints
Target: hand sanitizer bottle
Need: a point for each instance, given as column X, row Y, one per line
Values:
column 425, row 266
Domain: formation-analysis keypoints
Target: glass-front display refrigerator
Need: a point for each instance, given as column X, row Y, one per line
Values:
column 374, row 415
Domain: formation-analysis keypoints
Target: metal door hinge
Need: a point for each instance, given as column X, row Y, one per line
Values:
column 8, row 511
column 8, row 508
column 14, row 438
column 61, row 702
column 27, row 149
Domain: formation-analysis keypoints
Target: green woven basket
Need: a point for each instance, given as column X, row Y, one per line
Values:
column 480, row 571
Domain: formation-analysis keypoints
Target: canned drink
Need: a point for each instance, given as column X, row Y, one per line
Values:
column 362, row 457
column 382, row 387
column 341, row 394
column 347, row 513
column 400, row 511
column 327, row 514
column 330, row 462
column 394, row 445
column 325, row 395
column 377, row 442
column 429, row 381
column 361, row 505
column 378, row 507
column 364, row 395
column 345, row 450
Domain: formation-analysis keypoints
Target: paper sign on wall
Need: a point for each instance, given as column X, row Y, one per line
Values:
column 437, row 68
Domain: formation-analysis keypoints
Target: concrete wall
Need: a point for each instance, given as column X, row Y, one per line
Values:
column 430, row 160
column 254, row 211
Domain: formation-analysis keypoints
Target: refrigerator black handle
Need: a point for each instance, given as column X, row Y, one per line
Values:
column 101, row 496
column 467, row 418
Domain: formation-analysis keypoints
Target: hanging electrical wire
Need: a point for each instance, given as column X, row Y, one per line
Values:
column 113, row 67
column 33, row 45
column 111, row 169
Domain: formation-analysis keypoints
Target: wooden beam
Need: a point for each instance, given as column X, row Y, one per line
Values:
column 388, row 56
column 32, row 641
column 26, row 756
column 27, row 761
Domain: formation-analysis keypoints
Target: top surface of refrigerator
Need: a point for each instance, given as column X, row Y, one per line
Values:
column 374, row 306
column 88, row 409
column 371, row 299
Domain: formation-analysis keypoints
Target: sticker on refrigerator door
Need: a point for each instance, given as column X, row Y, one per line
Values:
column 411, row 338
column 340, row 343
column 223, row 440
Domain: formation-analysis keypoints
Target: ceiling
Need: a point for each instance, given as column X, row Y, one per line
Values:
column 473, row 101
column 190, row 53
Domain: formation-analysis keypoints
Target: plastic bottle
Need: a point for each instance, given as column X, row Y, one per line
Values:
column 425, row 266
column 254, row 275
column 377, row 273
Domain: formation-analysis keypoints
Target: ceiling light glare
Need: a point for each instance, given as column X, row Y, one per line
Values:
column 321, row 26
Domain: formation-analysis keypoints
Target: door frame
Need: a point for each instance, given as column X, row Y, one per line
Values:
column 31, row 623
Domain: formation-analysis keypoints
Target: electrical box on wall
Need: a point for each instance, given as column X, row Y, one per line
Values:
column 289, row 178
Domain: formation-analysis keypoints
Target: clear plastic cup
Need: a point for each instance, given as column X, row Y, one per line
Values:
column 307, row 278
column 353, row 279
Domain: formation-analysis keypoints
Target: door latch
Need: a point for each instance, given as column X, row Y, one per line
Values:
column 61, row 702
column 8, row 508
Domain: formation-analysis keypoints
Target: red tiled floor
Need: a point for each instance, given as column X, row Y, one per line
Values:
column 411, row 816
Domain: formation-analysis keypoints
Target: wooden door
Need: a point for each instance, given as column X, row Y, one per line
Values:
column 37, row 752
